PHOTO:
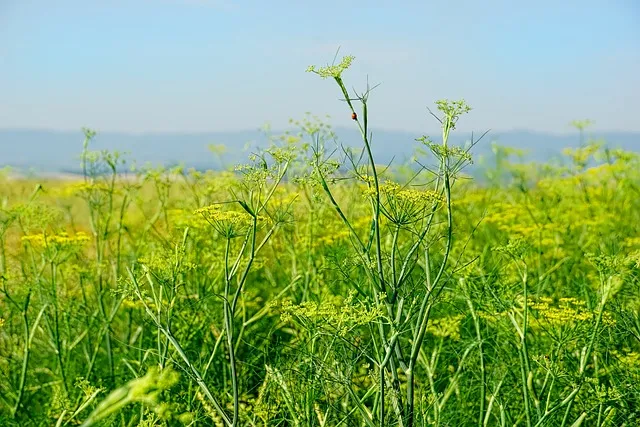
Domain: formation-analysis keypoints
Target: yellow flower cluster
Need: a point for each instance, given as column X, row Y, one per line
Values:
column 493, row 317
column 631, row 242
column 631, row 359
column 228, row 223
column 405, row 196
column 331, row 238
column 547, row 313
column 560, row 220
column 581, row 155
column 81, row 188
column 417, row 197
column 138, row 304
column 332, row 70
column 342, row 316
column 401, row 205
column 567, row 311
column 516, row 219
column 471, row 197
column 214, row 213
column 446, row 327
column 181, row 218
column 61, row 240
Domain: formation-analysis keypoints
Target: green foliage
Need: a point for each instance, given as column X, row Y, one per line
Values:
column 314, row 287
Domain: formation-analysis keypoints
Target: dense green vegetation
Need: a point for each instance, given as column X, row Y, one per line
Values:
column 310, row 288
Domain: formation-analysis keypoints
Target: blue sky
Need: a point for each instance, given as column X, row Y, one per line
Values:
column 213, row 65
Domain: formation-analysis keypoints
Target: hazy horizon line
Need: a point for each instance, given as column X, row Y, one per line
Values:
column 277, row 130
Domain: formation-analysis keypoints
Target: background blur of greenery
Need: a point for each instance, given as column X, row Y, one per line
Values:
column 118, row 290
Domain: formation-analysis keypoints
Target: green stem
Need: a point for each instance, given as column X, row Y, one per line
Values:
column 228, row 326
column 431, row 288
column 483, row 373
column 25, row 358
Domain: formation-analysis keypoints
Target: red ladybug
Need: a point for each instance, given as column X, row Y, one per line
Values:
column 354, row 116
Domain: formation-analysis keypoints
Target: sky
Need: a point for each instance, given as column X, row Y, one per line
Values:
column 223, row 65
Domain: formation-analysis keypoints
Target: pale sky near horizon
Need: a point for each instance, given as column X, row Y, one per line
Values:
column 218, row 65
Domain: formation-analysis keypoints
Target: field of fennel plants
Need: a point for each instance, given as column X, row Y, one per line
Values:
column 314, row 287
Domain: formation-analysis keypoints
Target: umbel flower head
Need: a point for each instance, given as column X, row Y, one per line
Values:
column 402, row 205
column 334, row 71
column 229, row 224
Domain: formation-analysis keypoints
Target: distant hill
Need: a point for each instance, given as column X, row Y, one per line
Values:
column 41, row 151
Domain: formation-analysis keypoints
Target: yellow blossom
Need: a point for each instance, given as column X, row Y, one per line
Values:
column 61, row 240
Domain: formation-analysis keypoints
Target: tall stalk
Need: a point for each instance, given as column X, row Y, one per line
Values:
column 394, row 307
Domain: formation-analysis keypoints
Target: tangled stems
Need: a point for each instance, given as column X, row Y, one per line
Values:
column 178, row 348
column 433, row 287
column 255, row 197
column 606, row 290
column 392, row 356
column 335, row 73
